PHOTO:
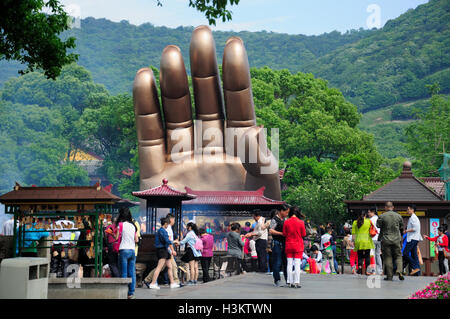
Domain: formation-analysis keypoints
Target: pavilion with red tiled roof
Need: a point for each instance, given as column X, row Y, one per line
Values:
column 231, row 201
column 201, row 203
column 162, row 191
column 163, row 196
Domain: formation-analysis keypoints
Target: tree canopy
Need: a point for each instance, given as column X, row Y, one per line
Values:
column 213, row 9
column 326, row 157
column 429, row 137
column 40, row 127
column 32, row 37
column 48, row 119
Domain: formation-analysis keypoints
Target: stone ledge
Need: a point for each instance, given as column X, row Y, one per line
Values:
column 88, row 288
column 111, row 281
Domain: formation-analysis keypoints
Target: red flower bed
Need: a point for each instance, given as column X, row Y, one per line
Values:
column 440, row 289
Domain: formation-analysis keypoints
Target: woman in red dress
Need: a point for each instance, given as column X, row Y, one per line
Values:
column 294, row 230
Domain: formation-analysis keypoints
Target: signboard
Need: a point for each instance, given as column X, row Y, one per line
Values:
column 405, row 213
column 434, row 224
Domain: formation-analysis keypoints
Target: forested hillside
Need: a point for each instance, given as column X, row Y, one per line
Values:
column 325, row 143
column 395, row 63
column 113, row 52
column 44, row 120
column 373, row 68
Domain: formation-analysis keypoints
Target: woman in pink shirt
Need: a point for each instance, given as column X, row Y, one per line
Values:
column 207, row 253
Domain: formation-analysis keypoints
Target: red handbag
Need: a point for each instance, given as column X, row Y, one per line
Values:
column 373, row 231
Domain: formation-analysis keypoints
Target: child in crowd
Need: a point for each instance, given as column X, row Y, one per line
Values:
column 352, row 255
column 185, row 275
column 314, row 260
column 253, row 254
column 305, row 258
column 326, row 248
column 250, row 249
column 246, row 229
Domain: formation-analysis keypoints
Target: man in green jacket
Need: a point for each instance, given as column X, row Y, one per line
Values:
column 391, row 229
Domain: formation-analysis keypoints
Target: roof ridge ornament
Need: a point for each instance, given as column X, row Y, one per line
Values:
column 407, row 172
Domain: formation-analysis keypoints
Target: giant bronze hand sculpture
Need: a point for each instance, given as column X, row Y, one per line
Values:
column 158, row 142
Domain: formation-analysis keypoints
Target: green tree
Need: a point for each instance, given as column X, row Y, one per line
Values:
column 110, row 131
column 323, row 200
column 32, row 37
column 326, row 157
column 213, row 9
column 429, row 137
column 314, row 120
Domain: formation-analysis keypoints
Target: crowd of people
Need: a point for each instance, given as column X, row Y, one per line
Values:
column 283, row 245
column 278, row 244
column 382, row 245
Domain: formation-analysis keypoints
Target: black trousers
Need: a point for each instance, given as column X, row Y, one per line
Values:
column 261, row 246
column 240, row 265
column 205, row 262
column 363, row 255
column 441, row 258
column 59, row 264
column 113, row 262
column 254, row 264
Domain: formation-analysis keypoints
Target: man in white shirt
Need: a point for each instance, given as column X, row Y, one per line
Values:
column 260, row 235
column 372, row 213
column 412, row 239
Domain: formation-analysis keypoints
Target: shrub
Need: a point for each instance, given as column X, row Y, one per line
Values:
column 440, row 289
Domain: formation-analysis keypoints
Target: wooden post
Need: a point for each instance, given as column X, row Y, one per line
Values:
column 428, row 267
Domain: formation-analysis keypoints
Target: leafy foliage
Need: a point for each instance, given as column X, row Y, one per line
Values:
column 214, row 9
column 30, row 36
column 394, row 63
column 372, row 68
column 41, row 126
column 110, row 131
column 33, row 149
column 326, row 157
column 320, row 141
column 429, row 137
column 114, row 51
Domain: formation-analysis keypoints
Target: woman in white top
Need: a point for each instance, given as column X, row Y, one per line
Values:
column 192, row 255
column 127, row 236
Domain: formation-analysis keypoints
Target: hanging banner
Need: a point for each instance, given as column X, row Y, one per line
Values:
column 434, row 224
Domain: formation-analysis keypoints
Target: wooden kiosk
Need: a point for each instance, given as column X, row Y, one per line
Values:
column 431, row 208
column 36, row 209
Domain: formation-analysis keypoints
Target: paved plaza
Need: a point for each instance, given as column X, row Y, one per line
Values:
column 260, row 286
